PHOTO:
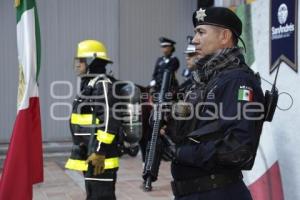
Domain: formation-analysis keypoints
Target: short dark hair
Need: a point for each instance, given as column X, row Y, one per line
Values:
column 173, row 49
column 235, row 39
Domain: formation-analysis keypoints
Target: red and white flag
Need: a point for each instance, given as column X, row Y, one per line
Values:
column 264, row 180
column 23, row 166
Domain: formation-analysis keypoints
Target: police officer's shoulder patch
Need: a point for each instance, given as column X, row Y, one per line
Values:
column 245, row 93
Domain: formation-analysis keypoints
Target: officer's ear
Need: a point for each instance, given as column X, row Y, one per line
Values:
column 226, row 37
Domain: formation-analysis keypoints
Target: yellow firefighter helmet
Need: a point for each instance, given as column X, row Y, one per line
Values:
column 92, row 49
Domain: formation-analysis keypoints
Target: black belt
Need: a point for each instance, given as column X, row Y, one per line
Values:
column 214, row 181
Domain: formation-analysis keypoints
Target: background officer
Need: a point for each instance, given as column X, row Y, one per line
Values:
column 218, row 141
column 92, row 117
column 166, row 61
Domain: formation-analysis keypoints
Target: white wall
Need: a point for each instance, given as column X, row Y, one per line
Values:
column 285, row 127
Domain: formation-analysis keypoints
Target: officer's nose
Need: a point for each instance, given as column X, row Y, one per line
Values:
column 196, row 40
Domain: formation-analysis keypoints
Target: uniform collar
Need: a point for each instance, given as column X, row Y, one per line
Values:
column 211, row 65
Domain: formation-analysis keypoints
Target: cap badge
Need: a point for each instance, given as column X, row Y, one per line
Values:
column 200, row 14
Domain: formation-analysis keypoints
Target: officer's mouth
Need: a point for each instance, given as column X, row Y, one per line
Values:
column 199, row 51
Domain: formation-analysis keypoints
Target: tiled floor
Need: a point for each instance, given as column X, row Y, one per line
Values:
column 61, row 184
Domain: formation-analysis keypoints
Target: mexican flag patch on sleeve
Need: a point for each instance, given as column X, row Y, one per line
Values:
column 245, row 94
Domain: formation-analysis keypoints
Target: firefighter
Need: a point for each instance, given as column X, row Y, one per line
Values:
column 94, row 130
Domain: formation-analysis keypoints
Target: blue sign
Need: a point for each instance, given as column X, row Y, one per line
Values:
column 283, row 34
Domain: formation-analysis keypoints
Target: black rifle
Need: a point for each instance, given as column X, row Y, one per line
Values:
column 153, row 153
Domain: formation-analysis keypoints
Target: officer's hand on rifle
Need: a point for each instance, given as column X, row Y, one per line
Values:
column 170, row 150
column 162, row 131
column 97, row 160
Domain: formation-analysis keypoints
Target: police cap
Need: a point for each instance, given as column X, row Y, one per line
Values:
column 166, row 42
column 218, row 16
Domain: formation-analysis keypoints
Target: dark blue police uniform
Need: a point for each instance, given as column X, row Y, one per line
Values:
column 169, row 62
column 221, row 139
column 163, row 63
column 224, row 139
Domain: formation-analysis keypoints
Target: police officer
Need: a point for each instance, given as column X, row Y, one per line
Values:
column 94, row 129
column 226, row 107
column 186, row 73
column 166, row 61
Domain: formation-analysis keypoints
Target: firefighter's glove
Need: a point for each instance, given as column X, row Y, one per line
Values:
column 97, row 161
